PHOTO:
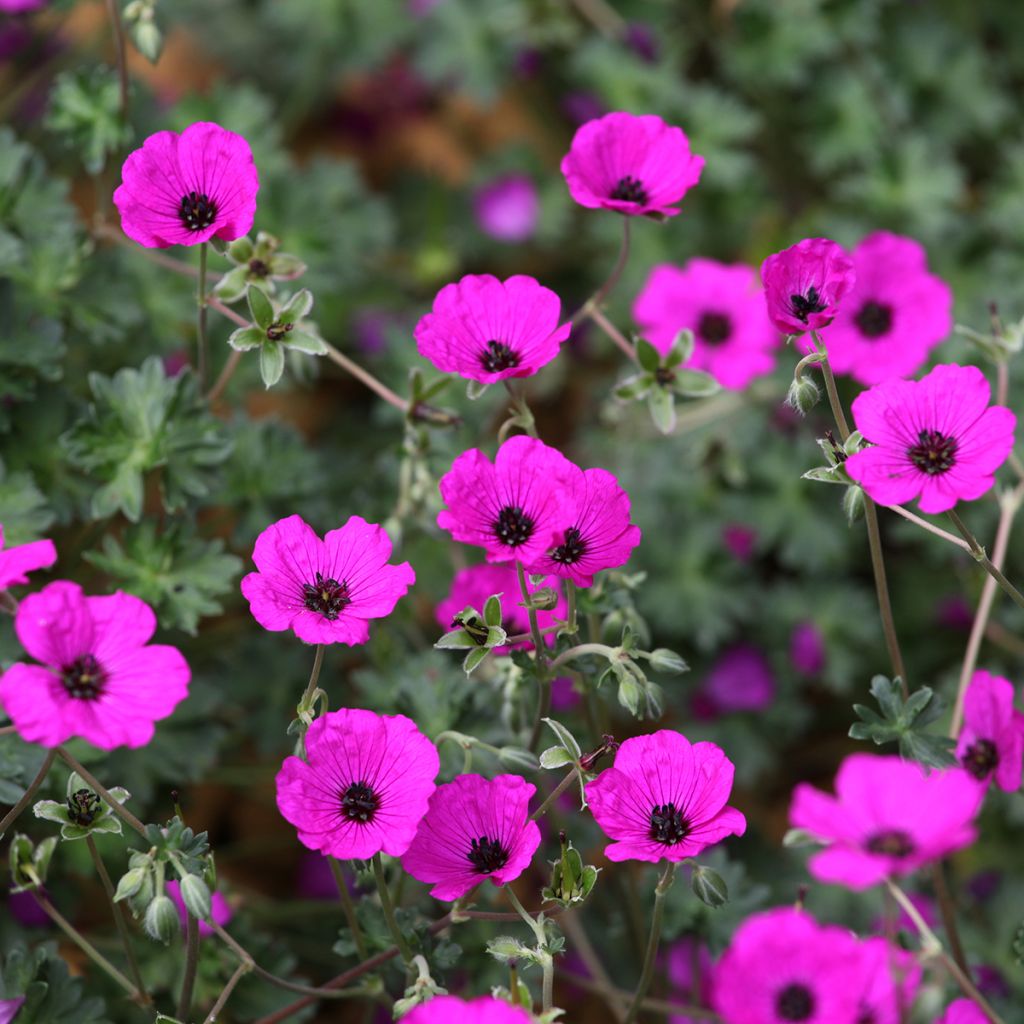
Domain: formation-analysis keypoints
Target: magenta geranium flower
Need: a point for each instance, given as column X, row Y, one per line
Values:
column 508, row 208
column 634, row 165
column 517, row 508
column 890, row 977
column 893, row 316
column 804, row 284
column 450, row 1010
column 964, row 1011
column 936, row 439
column 807, row 649
column 220, row 910
column 474, row 584
column 188, row 188
column 9, row 1007
column 17, row 562
column 475, row 829
column 600, row 535
column 740, row 680
column 100, row 679
column 782, row 967
column 723, row 305
column 888, row 817
column 991, row 743
column 490, row 330
column 364, row 786
column 689, row 969
column 664, row 798
column 325, row 591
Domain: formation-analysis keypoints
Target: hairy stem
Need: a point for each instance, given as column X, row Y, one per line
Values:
column 242, row 970
column 979, row 556
column 201, row 342
column 547, row 961
column 230, row 366
column 348, row 908
column 554, row 795
column 610, row 282
column 653, row 941
column 188, row 982
column 930, row 527
column 389, row 910
column 120, row 918
column 26, row 797
column 540, row 655
column 614, row 333
column 948, row 912
column 117, row 27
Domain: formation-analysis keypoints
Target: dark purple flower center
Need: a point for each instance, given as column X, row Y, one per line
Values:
column 359, row 802
column 630, row 190
column 804, row 305
column 867, row 1015
column 258, row 268
column 668, row 826
column 981, row 759
column 498, row 356
column 934, row 453
column 513, row 526
column 487, row 855
column 714, row 328
column 83, row 806
column 326, row 596
column 795, row 1002
column 893, row 842
column 197, row 211
column 84, row 678
column 874, row 319
column 572, row 550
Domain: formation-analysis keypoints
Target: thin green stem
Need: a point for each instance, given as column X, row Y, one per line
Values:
column 831, row 390
column 120, row 918
column 611, row 653
column 932, row 945
column 571, row 625
column 348, row 908
column 389, row 910
column 232, row 364
column 614, row 333
column 241, row 971
column 541, row 660
column 26, row 797
column 314, row 677
column 604, row 290
column 554, row 795
column 122, row 812
column 930, row 527
column 203, row 355
column 653, row 941
column 1010, row 503
column 979, row 556
column 948, row 912
column 188, row 981
column 117, row 27
column 547, row 961
column 86, row 946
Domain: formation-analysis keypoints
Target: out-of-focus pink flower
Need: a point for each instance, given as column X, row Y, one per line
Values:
column 508, row 208
column 807, row 649
column 991, row 742
column 963, row 1011
column 739, row 540
column 220, row 910
column 449, row 1010
column 740, row 680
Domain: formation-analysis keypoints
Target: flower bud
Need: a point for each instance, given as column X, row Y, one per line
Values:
column 803, row 395
column 195, row 894
column 161, row 920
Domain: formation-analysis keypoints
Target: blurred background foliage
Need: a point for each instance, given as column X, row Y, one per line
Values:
column 373, row 125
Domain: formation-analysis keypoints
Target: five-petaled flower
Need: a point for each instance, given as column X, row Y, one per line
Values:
column 936, row 439
column 364, row 787
column 804, row 284
column 723, row 305
column 783, row 967
column 516, row 508
column 991, row 742
column 100, row 679
column 325, row 591
column 17, row 562
column 888, row 817
column 450, row 1010
column 893, row 316
column 635, row 165
column 664, row 798
column 188, row 188
column 475, row 829
column 489, row 330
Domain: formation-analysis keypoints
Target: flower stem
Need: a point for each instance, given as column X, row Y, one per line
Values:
column 554, row 795
column 547, row 961
column 614, row 333
column 651, row 956
column 571, row 625
column 122, row 812
column 117, row 909
column 85, row 946
column 233, row 361
column 367, row 378
column 241, row 971
column 114, row 13
column 314, row 677
column 541, row 660
column 604, row 290
column 26, row 797
column 188, row 982
column 979, row 556
column 1010, row 505
column 611, row 653
column 931, row 944
column 930, row 527
column 201, row 317
column 389, row 910
column 948, row 912
column 348, row 908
